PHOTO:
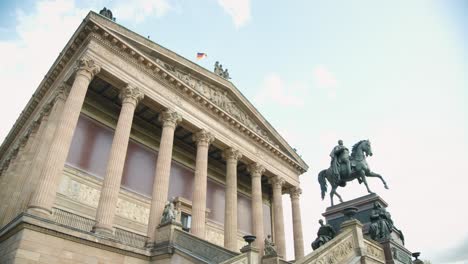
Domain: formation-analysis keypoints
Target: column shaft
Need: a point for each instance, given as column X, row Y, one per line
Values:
column 297, row 223
column 230, row 209
column 278, row 214
column 44, row 197
column 50, row 121
column 11, row 179
column 111, row 185
column 203, row 140
column 161, row 177
column 256, row 171
column 23, row 173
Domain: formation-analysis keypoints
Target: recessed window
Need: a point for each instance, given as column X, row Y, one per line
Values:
column 186, row 220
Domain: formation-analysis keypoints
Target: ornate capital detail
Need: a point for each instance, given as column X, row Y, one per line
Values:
column 232, row 154
column 87, row 67
column 295, row 192
column 203, row 137
column 34, row 126
column 62, row 91
column 131, row 94
column 45, row 111
column 170, row 118
column 256, row 170
column 277, row 182
column 23, row 140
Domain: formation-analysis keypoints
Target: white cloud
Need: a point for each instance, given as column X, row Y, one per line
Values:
column 137, row 10
column 325, row 79
column 275, row 91
column 239, row 10
column 41, row 35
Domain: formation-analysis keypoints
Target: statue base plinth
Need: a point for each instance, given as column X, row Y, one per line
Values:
column 271, row 259
column 394, row 249
column 334, row 214
column 395, row 253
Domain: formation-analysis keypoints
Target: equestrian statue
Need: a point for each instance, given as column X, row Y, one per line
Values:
column 345, row 168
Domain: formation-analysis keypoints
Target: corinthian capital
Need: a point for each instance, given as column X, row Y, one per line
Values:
column 170, row 118
column 231, row 154
column 203, row 137
column 277, row 182
column 87, row 67
column 256, row 170
column 295, row 192
column 131, row 94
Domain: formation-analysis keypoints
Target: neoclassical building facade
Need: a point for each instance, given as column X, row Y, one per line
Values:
column 118, row 127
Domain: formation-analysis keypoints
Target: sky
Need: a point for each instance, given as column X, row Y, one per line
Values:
column 393, row 72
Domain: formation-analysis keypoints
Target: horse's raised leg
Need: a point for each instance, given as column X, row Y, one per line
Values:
column 363, row 178
column 373, row 174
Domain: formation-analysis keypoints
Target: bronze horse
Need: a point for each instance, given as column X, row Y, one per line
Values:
column 359, row 170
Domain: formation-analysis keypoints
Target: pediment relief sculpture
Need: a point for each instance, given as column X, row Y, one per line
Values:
column 219, row 97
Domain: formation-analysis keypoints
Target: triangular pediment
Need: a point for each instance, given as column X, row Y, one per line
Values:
column 214, row 88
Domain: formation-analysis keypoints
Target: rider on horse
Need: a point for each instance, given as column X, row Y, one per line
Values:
column 340, row 155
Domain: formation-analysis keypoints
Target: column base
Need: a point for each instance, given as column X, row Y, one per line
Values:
column 104, row 231
column 40, row 211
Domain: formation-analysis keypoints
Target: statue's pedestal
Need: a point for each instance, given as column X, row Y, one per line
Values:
column 396, row 253
column 334, row 214
column 394, row 249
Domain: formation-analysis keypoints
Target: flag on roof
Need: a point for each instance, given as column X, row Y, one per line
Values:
column 201, row 55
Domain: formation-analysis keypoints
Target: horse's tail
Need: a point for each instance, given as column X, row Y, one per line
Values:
column 322, row 179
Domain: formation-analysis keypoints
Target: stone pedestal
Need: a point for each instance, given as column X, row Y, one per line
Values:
column 166, row 232
column 334, row 214
column 394, row 249
column 271, row 260
column 396, row 253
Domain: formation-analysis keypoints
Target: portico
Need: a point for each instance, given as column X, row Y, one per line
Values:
column 149, row 108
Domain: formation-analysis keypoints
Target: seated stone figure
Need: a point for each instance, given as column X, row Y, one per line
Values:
column 169, row 213
column 324, row 234
column 269, row 248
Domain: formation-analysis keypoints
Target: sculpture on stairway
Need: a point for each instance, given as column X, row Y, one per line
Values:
column 324, row 234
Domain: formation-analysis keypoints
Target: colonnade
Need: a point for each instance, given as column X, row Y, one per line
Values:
column 43, row 198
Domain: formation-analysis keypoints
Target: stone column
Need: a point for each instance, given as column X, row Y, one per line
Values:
column 50, row 115
column 256, row 170
column 230, row 209
column 130, row 97
column 170, row 119
column 11, row 178
column 295, row 192
column 203, row 139
column 20, row 178
column 44, row 196
column 277, row 184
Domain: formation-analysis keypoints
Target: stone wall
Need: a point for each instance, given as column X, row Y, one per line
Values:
column 29, row 246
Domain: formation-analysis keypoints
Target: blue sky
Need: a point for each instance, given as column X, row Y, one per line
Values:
column 389, row 71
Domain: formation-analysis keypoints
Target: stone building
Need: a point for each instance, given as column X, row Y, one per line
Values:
column 118, row 127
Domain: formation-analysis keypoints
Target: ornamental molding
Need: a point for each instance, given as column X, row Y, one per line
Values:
column 231, row 154
column 203, row 137
column 295, row 192
column 170, row 118
column 276, row 182
column 131, row 94
column 256, row 169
